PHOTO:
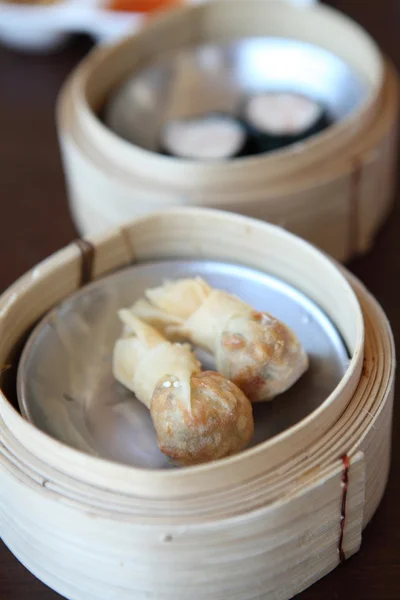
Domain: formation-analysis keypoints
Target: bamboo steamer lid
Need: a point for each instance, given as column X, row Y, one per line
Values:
column 322, row 193
column 287, row 511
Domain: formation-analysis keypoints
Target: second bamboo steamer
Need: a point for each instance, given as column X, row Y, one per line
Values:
column 334, row 189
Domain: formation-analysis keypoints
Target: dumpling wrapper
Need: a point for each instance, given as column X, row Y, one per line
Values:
column 198, row 416
column 256, row 351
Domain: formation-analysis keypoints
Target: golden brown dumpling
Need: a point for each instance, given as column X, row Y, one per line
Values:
column 198, row 416
column 256, row 351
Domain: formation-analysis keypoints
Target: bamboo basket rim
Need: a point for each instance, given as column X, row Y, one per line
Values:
column 362, row 420
column 361, row 147
column 30, row 475
column 225, row 467
column 148, row 161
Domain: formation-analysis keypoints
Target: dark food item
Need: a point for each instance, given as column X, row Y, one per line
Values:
column 270, row 121
column 206, row 137
column 278, row 119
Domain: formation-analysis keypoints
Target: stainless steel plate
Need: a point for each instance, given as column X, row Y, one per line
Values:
column 65, row 382
column 211, row 78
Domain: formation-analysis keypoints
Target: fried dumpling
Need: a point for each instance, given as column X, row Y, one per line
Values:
column 256, row 351
column 198, row 416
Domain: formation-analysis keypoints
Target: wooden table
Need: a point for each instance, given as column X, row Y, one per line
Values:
column 35, row 222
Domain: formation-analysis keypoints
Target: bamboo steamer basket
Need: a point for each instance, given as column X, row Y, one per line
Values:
column 335, row 191
column 264, row 524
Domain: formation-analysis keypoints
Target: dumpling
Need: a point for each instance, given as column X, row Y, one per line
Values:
column 256, row 351
column 198, row 416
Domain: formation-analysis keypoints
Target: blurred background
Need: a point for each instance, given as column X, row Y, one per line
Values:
column 36, row 221
column 32, row 186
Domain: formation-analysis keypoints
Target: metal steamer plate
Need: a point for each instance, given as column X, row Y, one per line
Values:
column 65, row 382
column 218, row 77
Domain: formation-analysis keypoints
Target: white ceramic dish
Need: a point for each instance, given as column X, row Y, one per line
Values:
column 46, row 28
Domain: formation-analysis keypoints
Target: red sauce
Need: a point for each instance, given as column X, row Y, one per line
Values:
column 142, row 6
